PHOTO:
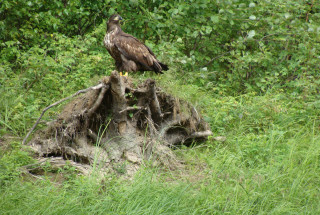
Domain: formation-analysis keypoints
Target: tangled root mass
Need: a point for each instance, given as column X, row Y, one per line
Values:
column 117, row 126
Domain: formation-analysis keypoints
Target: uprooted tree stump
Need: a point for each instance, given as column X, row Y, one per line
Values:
column 117, row 125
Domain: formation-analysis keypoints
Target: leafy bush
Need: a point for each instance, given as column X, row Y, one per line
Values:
column 49, row 50
column 241, row 45
column 235, row 45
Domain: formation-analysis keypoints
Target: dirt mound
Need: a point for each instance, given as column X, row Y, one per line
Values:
column 118, row 126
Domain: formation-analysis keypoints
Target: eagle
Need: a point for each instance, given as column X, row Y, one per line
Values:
column 129, row 53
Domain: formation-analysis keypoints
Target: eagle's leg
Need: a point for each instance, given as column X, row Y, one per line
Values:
column 121, row 74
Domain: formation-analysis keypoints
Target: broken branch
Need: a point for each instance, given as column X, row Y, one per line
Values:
column 98, row 101
column 58, row 102
column 132, row 108
column 201, row 134
column 154, row 103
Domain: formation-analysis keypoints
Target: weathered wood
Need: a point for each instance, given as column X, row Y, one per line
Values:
column 98, row 101
column 119, row 102
column 58, row 102
column 154, row 102
column 132, row 108
column 121, row 123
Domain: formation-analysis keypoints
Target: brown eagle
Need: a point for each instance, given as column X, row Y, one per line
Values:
column 129, row 53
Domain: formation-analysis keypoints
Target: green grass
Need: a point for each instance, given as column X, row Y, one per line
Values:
column 262, row 93
column 268, row 165
column 86, row 197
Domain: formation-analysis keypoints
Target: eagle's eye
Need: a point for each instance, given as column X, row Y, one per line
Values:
column 117, row 18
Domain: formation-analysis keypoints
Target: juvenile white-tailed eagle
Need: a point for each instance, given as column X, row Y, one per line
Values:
column 129, row 53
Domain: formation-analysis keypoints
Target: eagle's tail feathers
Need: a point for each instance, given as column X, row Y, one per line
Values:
column 164, row 66
column 157, row 67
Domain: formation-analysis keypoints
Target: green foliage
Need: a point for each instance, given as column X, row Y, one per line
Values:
column 33, row 21
column 232, row 46
column 250, row 66
column 11, row 160
column 42, row 74
column 241, row 45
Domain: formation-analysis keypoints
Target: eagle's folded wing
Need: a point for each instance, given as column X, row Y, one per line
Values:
column 133, row 49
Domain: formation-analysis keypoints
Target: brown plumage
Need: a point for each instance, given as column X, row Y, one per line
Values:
column 129, row 53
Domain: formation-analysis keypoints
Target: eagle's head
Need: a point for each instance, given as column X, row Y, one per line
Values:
column 115, row 19
column 113, row 23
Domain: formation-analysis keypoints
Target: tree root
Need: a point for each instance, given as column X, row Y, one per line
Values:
column 115, row 123
column 58, row 102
